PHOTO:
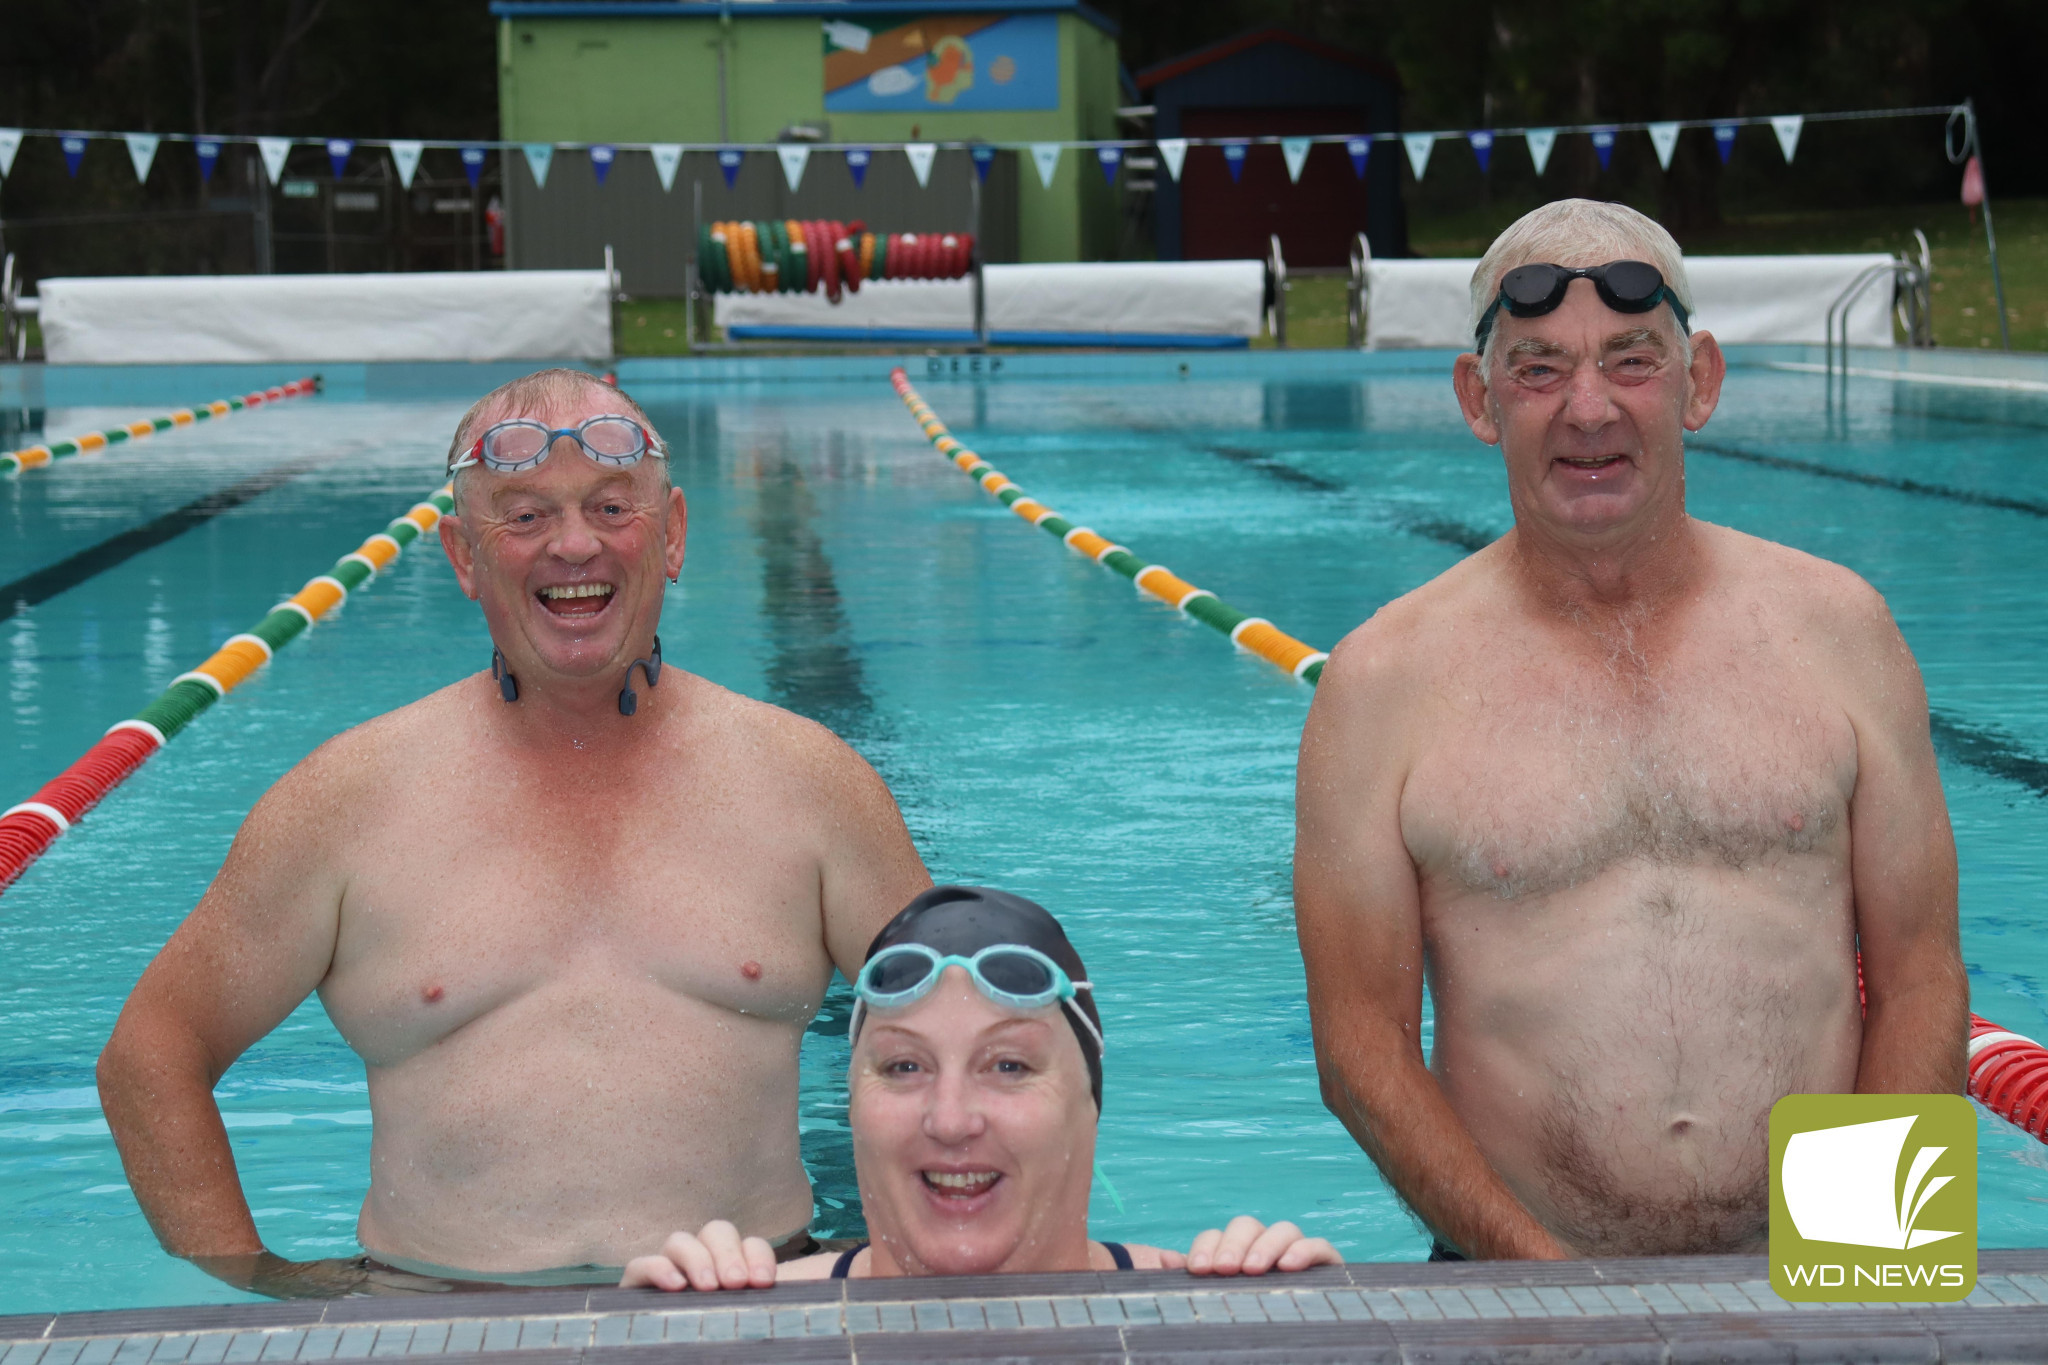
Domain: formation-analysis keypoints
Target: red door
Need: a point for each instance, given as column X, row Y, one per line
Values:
column 1315, row 218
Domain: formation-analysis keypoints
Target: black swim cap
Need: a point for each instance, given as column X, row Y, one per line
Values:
column 963, row 920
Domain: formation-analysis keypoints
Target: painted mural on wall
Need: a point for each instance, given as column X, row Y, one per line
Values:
column 932, row 63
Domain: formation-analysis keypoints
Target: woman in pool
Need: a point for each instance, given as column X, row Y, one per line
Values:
column 975, row 1089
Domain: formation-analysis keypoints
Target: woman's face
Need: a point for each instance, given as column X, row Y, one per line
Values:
column 973, row 1135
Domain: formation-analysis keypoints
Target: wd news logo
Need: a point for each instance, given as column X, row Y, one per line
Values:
column 1873, row 1198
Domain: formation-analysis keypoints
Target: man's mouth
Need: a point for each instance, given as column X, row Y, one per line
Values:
column 1592, row 463
column 576, row 599
column 961, row 1184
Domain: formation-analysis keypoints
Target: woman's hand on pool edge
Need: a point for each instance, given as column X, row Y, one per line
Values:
column 1249, row 1247
column 713, row 1257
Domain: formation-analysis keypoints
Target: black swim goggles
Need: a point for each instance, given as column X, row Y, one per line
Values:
column 1009, row 974
column 1530, row 291
column 521, row 444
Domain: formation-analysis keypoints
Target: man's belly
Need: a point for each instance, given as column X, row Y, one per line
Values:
column 1615, row 1048
column 556, row 1132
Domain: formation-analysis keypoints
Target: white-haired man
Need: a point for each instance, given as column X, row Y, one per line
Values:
column 576, row 946
column 1629, row 790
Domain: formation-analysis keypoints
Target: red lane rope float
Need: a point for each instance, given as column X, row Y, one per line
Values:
column 26, row 830
column 1254, row 634
column 2009, row 1076
column 35, row 457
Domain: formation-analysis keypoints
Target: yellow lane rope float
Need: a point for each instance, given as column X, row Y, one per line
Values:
column 35, row 457
column 1248, row 632
column 31, row 827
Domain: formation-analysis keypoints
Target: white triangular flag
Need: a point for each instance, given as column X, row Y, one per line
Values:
column 1295, row 150
column 1173, row 151
column 141, row 151
column 539, row 156
column 1541, row 140
column 796, row 157
column 10, row 143
column 920, row 154
column 273, row 150
column 1045, row 156
column 406, row 157
column 1664, row 137
column 1787, row 127
column 1418, row 145
column 667, row 156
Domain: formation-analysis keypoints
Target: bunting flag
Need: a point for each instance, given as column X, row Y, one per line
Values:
column 921, row 154
column 541, row 155
column 1482, row 148
column 857, row 159
column 10, row 143
column 273, row 150
column 1294, row 150
column 1109, row 158
column 209, row 157
column 1173, row 151
column 1724, row 140
column 602, row 154
column 1664, row 137
column 1787, row 127
column 1541, row 140
column 338, row 149
column 405, row 156
column 1603, row 145
column 1045, row 156
column 1234, row 154
column 141, row 152
column 473, row 164
column 74, row 152
column 667, row 156
column 1360, row 150
column 1419, row 146
column 984, row 157
column 795, row 156
column 729, row 164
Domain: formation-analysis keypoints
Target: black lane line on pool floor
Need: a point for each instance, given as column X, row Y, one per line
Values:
column 1914, row 486
column 1456, row 534
column 1988, row 750
column 94, row 560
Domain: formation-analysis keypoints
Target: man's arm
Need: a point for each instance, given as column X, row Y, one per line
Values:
column 1916, row 1024
column 870, row 869
column 1358, row 911
column 259, row 942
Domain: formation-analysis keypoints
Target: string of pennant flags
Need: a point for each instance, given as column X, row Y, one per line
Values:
column 1109, row 154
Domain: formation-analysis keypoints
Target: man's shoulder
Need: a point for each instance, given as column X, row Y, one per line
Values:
column 1808, row 590
column 1404, row 642
column 765, row 735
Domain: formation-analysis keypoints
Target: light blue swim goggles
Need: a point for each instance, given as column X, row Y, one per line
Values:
column 1007, row 973
column 520, row 444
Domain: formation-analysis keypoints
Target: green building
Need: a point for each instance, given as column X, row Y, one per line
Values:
column 767, row 71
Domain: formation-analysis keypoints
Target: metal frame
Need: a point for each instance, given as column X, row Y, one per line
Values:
column 1276, row 292
column 14, row 313
column 1358, row 293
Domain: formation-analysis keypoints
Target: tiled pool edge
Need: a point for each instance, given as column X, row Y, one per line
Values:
column 1680, row 1309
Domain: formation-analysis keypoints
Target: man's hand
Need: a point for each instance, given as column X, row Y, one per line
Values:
column 263, row 1273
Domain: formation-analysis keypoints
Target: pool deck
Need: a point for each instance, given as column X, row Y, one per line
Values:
column 1669, row 1311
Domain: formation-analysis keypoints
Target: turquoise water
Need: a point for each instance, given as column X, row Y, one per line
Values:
column 1045, row 729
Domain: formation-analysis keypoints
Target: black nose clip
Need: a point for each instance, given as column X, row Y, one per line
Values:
column 508, row 686
column 629, row 701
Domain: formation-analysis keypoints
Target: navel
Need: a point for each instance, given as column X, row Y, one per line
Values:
column 751, row 970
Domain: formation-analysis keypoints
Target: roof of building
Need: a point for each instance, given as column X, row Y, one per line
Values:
column 751, row 9
column 1160, row 72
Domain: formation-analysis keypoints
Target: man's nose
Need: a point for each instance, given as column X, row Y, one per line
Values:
column 575, row 540
column 1588, row 404
column 954, row 1115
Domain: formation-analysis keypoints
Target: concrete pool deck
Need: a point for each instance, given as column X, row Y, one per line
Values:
column 1667, row 1311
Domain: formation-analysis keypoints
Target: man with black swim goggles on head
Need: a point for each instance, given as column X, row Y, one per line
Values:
column 576, row 947
column 975, row 1089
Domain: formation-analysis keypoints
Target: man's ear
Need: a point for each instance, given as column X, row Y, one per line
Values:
column 1709, row 368
column 1471, row 386
column 676, row 531
column 461, row 554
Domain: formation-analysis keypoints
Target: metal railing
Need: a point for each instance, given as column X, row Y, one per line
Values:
column 1357, row 293
column 1911, row 304
column 1276, row 291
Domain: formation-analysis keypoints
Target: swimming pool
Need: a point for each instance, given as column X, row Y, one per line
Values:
column 1045, row 728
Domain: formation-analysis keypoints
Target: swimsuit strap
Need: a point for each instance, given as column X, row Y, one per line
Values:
column 844, row 1264
column 1118, row 1253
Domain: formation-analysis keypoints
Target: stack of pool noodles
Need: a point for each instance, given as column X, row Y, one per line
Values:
column 793, row 256
column 31, row 457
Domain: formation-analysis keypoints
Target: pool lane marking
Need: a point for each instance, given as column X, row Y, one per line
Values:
column 2029, row 506
column 41, row 456
column 27, row 829
column 1254, row 634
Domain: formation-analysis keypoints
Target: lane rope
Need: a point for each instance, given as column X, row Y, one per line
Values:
column 1254, row 634
column 37, row 457
column 28, row 829
column 2009, row 1076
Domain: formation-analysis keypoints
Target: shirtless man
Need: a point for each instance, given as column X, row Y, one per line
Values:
column 576, row 948
column 1628, row 790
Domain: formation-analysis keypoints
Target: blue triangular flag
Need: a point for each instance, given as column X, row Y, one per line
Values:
column 857, row 159
column 209, row 154
column 602, row 155
column 729, row 163
column 473, row 164
column 984, row 157
column 1233, row 157
column 1482, row 148
column 74, row 151
column 1110, row 158
column 338, row 149
column 1724, row 140
column 1359, row 148
column 1603, row 145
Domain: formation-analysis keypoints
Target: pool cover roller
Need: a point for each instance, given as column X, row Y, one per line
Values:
column 35, row 457
column 28, row 829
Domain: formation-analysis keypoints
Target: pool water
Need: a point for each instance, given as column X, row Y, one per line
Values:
column 1044, row 728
